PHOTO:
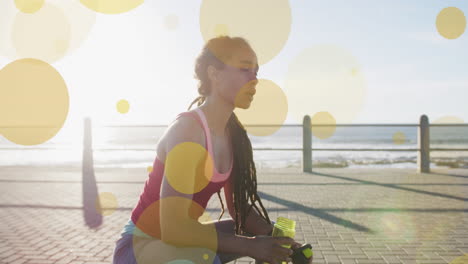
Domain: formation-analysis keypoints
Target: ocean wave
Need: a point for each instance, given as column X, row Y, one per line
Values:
column 451, row 163
column 333, row 162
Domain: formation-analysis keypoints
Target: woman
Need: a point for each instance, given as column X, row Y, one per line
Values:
column 216, row 153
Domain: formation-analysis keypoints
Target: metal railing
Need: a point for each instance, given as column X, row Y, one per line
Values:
column 423, row 142
column 423, row 149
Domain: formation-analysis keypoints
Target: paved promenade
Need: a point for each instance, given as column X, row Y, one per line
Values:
column 348, row 215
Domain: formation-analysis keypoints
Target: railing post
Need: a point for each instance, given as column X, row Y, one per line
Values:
column 92, row 207
column 423, row 145
column 88, row 160
column 87, row 135
column 306, row 145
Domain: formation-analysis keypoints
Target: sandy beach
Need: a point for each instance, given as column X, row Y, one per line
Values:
column 348, row 215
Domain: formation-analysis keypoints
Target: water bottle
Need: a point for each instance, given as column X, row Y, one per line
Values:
column 284, row 227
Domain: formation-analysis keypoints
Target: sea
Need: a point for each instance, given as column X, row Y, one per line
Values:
column 135, row 147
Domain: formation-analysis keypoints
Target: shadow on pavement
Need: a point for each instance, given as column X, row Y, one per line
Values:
column 391, row 185
column 316, row 212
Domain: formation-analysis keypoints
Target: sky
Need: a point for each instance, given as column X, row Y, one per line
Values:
column 404, row 67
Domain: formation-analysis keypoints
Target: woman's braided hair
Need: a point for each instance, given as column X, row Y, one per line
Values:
column 215, row 52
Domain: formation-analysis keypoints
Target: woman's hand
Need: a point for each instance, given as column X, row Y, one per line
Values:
column 295, row 245
column 270, row 249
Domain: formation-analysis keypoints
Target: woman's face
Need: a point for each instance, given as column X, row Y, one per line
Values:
column 237, row 80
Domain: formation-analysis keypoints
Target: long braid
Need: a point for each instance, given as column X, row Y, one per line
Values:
column 245, row 181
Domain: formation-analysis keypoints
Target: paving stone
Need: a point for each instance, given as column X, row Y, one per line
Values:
column 391, row 259
column 386, row 217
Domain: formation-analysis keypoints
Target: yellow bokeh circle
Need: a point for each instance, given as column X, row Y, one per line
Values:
column 171, row 22
column 221, row 30
column 323, row 125
column 49, row 33
column 268, row 106
column 29, row 6
column 81, row 21
column 44, row 35
column 397, row 226
column 325, row 77
column 34, row 102
column 106, row 203
column 451, row 23
column 111, row 6
column 250, row 20
column 460, row 260
column 399, row 138
column 449, row 120
column 197, row 246
column 188, row 167
column 205, row 217
column 149, row 169
column 123, row 106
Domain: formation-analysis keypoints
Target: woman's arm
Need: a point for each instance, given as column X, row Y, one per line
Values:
column 255, row 224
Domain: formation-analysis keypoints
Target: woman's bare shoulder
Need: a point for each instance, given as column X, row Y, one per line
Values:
column 184, row 129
